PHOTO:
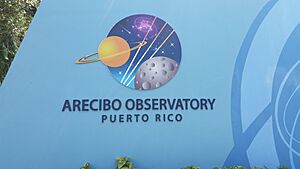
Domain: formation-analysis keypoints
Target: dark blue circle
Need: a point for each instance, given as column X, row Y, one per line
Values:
column 134, row 29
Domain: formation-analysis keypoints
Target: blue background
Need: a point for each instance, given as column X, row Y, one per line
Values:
column 34, row 133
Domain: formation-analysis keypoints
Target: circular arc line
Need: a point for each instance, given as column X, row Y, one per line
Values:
column 291, row 141
column 277, row 103
column 239, row 69
column 284, row 114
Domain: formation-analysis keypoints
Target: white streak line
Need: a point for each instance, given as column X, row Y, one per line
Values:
column 137, row 52
column 130, row 81
column 155, row 51
column 126, row 29
column 162, row 44
column 145, row 53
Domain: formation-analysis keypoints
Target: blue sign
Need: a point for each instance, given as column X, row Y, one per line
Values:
column 167, row 83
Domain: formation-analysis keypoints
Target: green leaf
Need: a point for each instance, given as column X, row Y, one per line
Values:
column 86, row 166
column 4, row 52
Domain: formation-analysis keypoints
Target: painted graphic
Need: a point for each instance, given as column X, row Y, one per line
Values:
column 234, row 102
column 142, row 52
column 281, row 111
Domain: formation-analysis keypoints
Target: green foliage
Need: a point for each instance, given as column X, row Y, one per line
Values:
column 15, row 17
column 235, row 167
column 282, row 167
column 124, row 163
column 191, row 167
column 86, row 166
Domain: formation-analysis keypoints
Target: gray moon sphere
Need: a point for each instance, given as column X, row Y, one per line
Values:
column 155, row 72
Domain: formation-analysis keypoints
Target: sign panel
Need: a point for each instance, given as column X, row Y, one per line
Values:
column 167, row 83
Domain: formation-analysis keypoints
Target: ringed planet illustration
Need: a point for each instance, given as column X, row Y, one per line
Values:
column 113, row 51
column 142, row 52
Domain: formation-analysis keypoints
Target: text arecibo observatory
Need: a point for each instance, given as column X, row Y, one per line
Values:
column 142, row 106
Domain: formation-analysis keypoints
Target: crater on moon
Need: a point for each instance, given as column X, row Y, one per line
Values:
column 155, row 72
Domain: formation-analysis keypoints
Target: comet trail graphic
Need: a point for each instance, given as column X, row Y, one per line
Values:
column 142, row 52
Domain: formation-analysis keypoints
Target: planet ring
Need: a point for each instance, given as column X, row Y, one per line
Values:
column 86, row 59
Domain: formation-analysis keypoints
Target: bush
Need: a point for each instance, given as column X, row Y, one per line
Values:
column 15, row 17
column 126, row 163
column 191, row 167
